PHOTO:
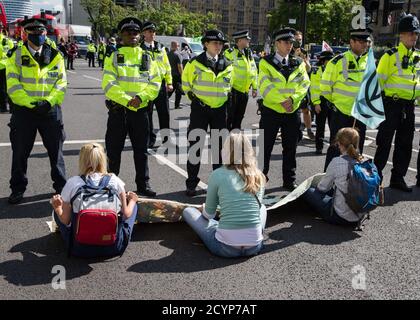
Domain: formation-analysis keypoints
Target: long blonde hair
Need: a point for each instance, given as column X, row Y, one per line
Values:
column 92, row 159
column 349, row 139
column 238, row 155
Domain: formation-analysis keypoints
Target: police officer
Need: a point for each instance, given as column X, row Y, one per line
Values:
column 321, row 105
column 398, row 73
column 244, row 76
column 5, row 45
column 158, row 53
column 207, row 81
column 130, row 81
column 283, row 83
column 36, row 84
column 91, row 50
column 340, row 85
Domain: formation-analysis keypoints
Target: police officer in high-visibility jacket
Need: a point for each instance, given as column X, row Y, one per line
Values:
column 207, row 81
column 130, row 80
column 158, row 53
column 36, row 85
column 321, row 105
column 90, row 55
column 5, row 45
column 340, row 85
column 398, row 73
column 283, row 83
column 245, row 75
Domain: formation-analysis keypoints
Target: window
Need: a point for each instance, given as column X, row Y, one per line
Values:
column 240, row 17
column 225, row 15
column 256, row 4
column 270, row 4
column 256, row 18
column 255, row 35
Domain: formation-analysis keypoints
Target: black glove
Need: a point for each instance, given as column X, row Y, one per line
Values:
column 41, row 107
column 191, row 95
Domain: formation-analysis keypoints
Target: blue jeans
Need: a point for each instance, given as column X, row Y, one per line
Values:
column 125, row 229
column 206, row 230
column 322, row 203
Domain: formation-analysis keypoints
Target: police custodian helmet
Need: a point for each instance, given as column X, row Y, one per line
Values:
column 129, row 24
column 409, row 23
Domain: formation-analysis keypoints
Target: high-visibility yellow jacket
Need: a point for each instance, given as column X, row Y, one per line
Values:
column 399, row 79
column 245, row 70
column 51, row 43
column 315, row 88
column 161, row 57
column 126, row 76
column 5, row 45
column 275, row 88
column 91, row 47
column 101, row 52
column 27, row 82
column 213, row 90
column 341, row 80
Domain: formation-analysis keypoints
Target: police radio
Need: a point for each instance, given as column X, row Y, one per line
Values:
column 405, row 61
column 3, row 43
column 145, row 62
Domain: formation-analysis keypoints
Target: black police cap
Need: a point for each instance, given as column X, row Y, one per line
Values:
column 409, row 23
column 148, row 25
column 326, row 55
column 129, row 24
column 38, row 24
column 214, row 35
column 363, row 34
column 241, row 34
column 285, row 34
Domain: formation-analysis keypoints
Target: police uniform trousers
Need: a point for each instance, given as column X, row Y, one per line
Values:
column 91, row 59
column 289, row 123
column 338, row 121
column 24, row 124
column 3, row 90
column 177, row 89
column 400, row 120
column 236, row 109
column 162, row 107
column 320, row 121
column 201, row 117
column 121, row 122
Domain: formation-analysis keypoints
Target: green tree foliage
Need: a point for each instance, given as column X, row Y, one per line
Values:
column 328, row 20
column 170, row 18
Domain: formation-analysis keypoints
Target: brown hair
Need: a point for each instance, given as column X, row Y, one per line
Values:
column 92, row 158
column 349, row 139
column 239, row 155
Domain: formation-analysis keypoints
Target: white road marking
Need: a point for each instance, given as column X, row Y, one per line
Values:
column 92, row 78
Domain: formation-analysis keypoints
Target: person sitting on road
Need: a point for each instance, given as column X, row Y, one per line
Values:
column 330, row 204
column 92, row 165
column 238, row 188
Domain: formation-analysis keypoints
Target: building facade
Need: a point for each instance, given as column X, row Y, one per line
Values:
column 237, row 15
column 17, row 9
column 74, row 13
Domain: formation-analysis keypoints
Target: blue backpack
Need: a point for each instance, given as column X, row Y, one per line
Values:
column 363, row 186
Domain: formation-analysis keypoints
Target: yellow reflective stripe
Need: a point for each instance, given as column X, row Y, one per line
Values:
column 131, row 93
column 132, row 79
column 186, row 84
column 352, row 84
column 398, row 63
column 292, row 91
column 399, row 86
column 327, row 83
column 109, row 73
column 60, row 88
column 36, row 93
column 267, row 90
column 315, row 87
column 110, row 85
column 344, row 65
column 326, row 93
column 15, row 88
column 13, row 75
column 382, row 76
column 346, row 93
column 209, row 93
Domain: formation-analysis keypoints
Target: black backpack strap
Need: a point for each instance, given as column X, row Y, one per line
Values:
column 258, row 200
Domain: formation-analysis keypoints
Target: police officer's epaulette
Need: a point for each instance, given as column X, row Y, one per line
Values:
column 390, row 52
column 314, row 69
column 337, row 58
column 230, row 50
column 11, row 51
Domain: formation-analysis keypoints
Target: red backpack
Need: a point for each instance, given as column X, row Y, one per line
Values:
column 95, row 213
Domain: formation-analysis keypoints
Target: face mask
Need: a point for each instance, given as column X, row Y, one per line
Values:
column 37, row 39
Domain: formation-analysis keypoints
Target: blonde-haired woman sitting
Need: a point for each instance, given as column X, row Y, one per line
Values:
column 238, row 188
column 92, row 169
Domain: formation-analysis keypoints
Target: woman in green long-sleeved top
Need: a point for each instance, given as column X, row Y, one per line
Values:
column 238, row 188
